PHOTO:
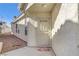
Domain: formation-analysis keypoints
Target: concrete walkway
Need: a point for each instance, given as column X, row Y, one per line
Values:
column 28, row 51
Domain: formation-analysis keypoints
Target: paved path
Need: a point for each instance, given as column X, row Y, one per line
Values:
column 10, row 42
column 28, row 51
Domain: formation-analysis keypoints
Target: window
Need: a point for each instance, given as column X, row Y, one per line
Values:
column 25, row 30
column 0, row 29
column 0, row 23
column 17, row 30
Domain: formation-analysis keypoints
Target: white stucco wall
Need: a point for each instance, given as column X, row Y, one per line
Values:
column 64, row 42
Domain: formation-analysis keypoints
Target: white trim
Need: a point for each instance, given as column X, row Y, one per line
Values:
column 29, row 5
column 18, row 18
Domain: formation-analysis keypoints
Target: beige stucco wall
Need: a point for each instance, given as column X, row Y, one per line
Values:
column 31, row 30
column 36, row 33
column 55, row 13
column 65, row 40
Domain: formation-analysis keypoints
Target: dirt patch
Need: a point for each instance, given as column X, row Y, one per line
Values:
column 11, row 42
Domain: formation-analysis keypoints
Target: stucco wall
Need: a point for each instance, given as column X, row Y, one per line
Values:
column 36, row 33
column 31, row 30
column 64, row 42
column 21, row 27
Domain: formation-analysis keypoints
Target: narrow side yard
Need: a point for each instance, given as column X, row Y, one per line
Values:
column 13, row 46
